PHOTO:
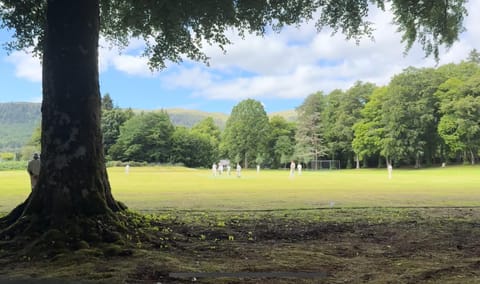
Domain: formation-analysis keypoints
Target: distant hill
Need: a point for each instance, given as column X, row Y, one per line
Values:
column 188, row 118
column 289, row 115
column 18, row 121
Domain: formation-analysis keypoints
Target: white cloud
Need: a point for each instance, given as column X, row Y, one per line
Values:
column 132, row 65
column 299, row 62
column 26, row 66
column 266, row 56
column 189, row 78
column 292, row 64
column 128, row 60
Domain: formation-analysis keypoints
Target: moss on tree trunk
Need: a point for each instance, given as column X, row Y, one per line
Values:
column 73, row 192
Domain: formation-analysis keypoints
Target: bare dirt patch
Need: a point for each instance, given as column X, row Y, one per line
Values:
column 382, row 245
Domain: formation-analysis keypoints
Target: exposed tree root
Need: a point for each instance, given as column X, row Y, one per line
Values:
column 12, row 216
column 36, row 236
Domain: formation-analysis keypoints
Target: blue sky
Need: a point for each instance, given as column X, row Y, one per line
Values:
column 279, row 70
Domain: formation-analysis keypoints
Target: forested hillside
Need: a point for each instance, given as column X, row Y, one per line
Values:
column 188, row 118
column 289, row 115
column 17, row 122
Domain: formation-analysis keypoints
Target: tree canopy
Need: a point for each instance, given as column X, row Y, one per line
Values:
column 246, row 132
column 309, row 138
column 172, row 29
column 144, row 137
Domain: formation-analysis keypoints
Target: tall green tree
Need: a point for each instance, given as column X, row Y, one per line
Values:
column 474, row 56
column 246, row 131
column 459, row 125
column 107, row 102
column 341, row 113
column 145, row 137
column 309, row 137
column 192, row 148
column 208, row 128
column 73, row 184
column 112, row 121
column 284, row 149
column 369, row 130
column 452, row 146
column 411, row 116
column 462, row 71
column 280, row 129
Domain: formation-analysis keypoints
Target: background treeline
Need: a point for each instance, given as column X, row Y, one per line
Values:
column 424, row 116
column 18, row 120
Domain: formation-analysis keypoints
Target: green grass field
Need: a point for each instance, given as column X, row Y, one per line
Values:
column 163, row 188
column 374, row 245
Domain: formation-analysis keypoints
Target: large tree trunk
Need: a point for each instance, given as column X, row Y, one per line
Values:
column 73, row 181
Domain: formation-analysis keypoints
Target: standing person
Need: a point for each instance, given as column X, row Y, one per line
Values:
column 292, row 168
column 220, row 169
column 390, row 170
column 228, row 169
column 258, row 169
column 33, row 169
column 214, row 169
column 239, row 169
column 127, row 169
column 299, row 168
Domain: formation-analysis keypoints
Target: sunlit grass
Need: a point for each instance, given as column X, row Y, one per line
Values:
column 14, row 188
column 159, row 188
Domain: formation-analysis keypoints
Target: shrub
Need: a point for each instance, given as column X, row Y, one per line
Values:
column 7, row 156
column 13, row 165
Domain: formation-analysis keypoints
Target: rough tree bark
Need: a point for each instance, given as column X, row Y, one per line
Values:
column 73, row 182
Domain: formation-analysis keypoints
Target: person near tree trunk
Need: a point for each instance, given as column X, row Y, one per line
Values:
column 33, row 169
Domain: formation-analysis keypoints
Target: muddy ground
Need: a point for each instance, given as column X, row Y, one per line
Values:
column 369, row 245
